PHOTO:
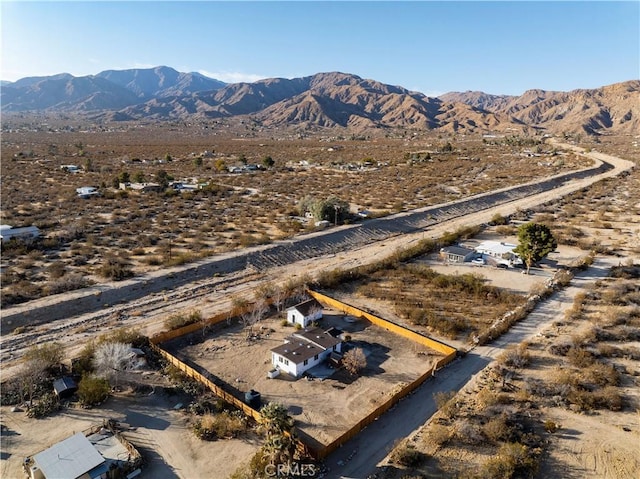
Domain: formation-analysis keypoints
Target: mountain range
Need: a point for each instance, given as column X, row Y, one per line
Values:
column 323, row 100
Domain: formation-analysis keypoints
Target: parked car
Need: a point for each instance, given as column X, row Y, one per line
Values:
column 478, row 261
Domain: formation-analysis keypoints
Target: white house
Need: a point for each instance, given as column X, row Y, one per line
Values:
column 304, row 350
column 501, row 252
column 304, row 313
column 26, row 233
column 87, row 192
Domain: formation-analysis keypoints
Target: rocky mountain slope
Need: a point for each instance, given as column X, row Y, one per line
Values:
column 323, row 100
column 610, row 108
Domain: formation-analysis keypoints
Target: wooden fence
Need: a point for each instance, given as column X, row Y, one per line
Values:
column 306, row 443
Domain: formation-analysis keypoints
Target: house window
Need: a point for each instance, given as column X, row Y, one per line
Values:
column 334, row 347
column 306, row 361
column 280, row 358
column 315, row 357
column 286, row 362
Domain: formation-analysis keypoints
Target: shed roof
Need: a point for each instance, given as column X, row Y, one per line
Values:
column 68, row 459
column 64, row 384
column 457, row 250
column 306, row 307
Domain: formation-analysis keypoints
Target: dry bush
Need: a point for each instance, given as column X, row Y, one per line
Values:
column 446, row 403
column 580, row 357
column 354, row 361
column 439, row 434
column 551, row 426
column 512, row 460
column 499, row 429
column 467, row 433
column 407, row 455
column 515, row 356
column 224, row 425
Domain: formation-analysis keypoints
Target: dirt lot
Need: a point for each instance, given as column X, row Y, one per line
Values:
column 175, row 450
column 392, row 362
column 161, row 434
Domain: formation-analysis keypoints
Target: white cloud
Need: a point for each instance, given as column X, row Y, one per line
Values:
column 233, row 77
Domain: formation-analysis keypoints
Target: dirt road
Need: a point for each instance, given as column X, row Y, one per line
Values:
column 145, row 302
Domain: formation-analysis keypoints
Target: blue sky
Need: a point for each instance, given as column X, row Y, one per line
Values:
column 432, row 47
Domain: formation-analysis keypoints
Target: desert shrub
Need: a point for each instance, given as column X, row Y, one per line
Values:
column 498, row 429
column 498, row 219
column 439, row 434
column 563, row 277
column 513, row 460
column 599, row 374
column 116, row 268
column 407, row 455
column 219, row 426
column 69, row 282
column 610, row 398
column 467, row 432
column 47, row 404
column 507, row 230
column 125, row 335
column 93, row 390
column 551, row 426
column 517, row 357
column 179, row 320
column 446, row 403
column 580, row 357
column 354, row 361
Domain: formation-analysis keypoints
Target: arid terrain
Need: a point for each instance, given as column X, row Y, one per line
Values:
column 152, row 232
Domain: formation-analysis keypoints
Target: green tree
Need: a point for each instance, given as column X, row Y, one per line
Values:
column 138, row 177
column 163, row 178
column 93, row 390
column 243, row 159
column 535, row 241
column 197, row 162
column 268, row 162
column 123, row 177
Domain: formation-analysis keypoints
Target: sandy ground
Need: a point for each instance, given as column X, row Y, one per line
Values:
column 392, row 361
column 171, row 447
column 161, row 434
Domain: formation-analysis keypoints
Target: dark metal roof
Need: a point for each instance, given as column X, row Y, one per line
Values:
column 306, row 307
column 306, row 344
column 457, row 250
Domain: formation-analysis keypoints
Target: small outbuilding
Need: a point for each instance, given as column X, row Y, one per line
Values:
column 456, row 254
column 305, row 313
column 65, row 387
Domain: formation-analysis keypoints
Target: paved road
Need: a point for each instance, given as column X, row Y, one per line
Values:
column 375, row 442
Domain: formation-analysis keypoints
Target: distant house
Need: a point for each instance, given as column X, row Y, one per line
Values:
column 70, row 168
column 84, row 457
column 143, row 187
column 456, row 254
column 26, row 233
column 500, row 252
column 304, row 350
column 87, row 192
column 304, row 313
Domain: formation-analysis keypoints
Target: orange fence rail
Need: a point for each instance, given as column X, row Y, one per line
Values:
column 307, row 443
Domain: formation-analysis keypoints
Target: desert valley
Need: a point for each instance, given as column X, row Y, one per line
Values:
column 324, row 276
